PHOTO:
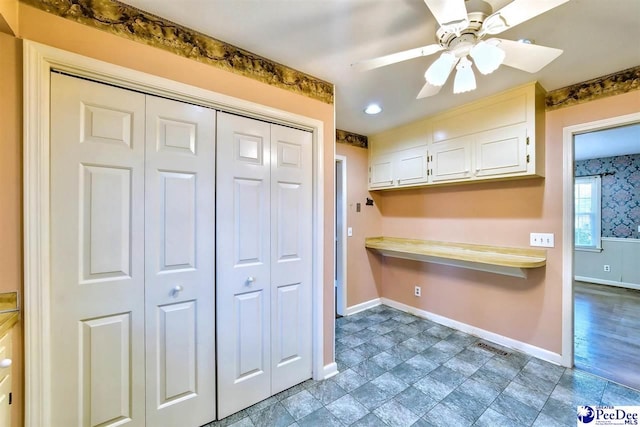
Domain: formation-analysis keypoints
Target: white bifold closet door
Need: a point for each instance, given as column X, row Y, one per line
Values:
column 263, row 261
column 179, row 263
column 132, row 274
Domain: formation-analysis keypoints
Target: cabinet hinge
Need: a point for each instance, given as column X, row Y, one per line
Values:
column 528, row 160
column 428, row 172
column 369, row 180
column 10, row 398
column 527, row 140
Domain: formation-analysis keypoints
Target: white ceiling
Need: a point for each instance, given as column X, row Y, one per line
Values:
column 323, row 37
column 618, row 141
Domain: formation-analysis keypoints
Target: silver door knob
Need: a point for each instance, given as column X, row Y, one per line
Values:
column 250, row 280
column 176, row 290
column 5, row 363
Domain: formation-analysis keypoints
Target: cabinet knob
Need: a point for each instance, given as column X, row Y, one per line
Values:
column 5, row 363
column 176, row 290
column 250, row 280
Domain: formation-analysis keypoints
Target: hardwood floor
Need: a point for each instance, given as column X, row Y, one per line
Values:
column 607, row 332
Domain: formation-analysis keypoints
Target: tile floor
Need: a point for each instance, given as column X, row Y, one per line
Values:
column 400, row 370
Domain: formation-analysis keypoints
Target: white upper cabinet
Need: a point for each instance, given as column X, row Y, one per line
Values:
column 412, row 166
column 450, row 160
column 501, row 151
column 399, row 168
column 499, row 137
column 381, row 171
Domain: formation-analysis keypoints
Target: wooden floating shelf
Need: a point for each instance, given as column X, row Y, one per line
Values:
column 493, row 259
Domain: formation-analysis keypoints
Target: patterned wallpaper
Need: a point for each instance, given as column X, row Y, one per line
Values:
column 620, row 193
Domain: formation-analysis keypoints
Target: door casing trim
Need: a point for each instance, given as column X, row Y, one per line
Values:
column 568, row 133
column 342, row 235
column 39, row 60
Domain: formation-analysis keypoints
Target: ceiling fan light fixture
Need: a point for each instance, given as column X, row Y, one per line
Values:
column 438, row 72
column 487, row 57
column 465, row 80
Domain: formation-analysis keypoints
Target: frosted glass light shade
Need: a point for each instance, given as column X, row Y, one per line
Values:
column 438, row 73
column 465, row 80
column 487, row 57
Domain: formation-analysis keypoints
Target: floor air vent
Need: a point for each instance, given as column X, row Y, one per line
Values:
column 492, row 349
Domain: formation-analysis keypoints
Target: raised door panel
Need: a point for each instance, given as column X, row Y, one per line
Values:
column 177, row 352
column 5, row 408
column 291, row 263
column 6, row 378
column 105, row 348
column 97, row 271
column 412, row 166
column 381, row 169
column 105, row 223
column 243, row 257
column 505, row 110
column 179, row 263
column 501, row 151
column 249, row 327
column 451, row 160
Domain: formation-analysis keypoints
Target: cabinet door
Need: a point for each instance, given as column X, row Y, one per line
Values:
column 501, row 151
column 451, row 160
column 381, row 173
column 412, row 166
column 5, row 381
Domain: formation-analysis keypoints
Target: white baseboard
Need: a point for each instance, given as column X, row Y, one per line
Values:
column 607, row 282
column 330, row 370
column 532, row 350
column 362, row 306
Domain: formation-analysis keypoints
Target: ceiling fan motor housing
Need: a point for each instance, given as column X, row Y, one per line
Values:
column 460, row 43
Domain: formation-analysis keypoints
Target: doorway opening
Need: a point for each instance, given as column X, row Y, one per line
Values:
column 601, row 283
column 340, row 276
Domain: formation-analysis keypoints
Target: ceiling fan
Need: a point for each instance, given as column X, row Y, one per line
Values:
column 462, row 34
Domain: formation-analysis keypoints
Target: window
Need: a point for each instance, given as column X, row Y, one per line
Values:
column 587, row 212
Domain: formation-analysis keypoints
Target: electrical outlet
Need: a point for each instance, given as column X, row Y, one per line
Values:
column 544, row 240
column 607, row 268
column 349, row 232
column 417, row 291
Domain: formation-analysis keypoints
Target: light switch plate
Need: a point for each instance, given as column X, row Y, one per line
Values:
column 349, row 231
column 544, row 240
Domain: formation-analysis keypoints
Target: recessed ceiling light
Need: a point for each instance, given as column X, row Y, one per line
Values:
column 373, row 109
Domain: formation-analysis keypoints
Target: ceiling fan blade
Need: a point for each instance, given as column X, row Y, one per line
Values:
column 517, row 12
column 447, row 11
column 527, row 57
column 393, row 58
column 428, row 90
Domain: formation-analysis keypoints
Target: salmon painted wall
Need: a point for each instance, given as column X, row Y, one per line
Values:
column 11, row 196
column 37, row 26
column 9, row 16
column 496, row 213
column 363, row 268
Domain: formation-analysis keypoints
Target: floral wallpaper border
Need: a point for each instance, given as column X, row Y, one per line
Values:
column 134, row 24
column 345, row 137
column 601, row 87
column 620, row 193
